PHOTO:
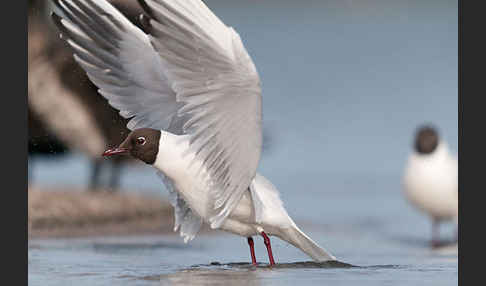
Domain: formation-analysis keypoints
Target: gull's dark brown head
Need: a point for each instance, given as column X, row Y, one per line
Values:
column 141, row 143
column 426, row 140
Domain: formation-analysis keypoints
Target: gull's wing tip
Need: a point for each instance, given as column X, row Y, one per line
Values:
column 56, row 19
column 145, row 7
column 145, row 21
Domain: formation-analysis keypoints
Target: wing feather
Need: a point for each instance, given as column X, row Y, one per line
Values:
column 185, row 220
column 213, row 75
column 119, row 58
column 190, row 75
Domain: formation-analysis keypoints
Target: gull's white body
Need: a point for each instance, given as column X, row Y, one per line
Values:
column 431, row 183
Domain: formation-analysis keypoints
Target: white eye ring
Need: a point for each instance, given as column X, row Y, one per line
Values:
column 141, row 140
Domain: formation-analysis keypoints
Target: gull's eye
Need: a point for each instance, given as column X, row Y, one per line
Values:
column 141, row 141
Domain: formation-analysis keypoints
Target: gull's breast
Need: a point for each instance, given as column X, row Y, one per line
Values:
column 192, row 182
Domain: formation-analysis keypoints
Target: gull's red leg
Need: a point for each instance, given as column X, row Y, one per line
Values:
column 252, row 251
column 266, row 240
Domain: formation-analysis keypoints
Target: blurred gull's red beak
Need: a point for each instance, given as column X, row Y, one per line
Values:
column 116, row 151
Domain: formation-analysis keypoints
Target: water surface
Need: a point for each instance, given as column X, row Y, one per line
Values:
column 363, row 221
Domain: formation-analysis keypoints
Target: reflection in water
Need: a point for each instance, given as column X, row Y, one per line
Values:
column 290, row 265
column 239, row 273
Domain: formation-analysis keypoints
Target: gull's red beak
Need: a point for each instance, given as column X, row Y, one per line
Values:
column 116, row 151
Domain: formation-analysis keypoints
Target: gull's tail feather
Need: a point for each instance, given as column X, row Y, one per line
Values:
column 297, row 238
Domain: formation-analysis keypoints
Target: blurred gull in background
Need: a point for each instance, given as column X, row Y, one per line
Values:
column 431, row 179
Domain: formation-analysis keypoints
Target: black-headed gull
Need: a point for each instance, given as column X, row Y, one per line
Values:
column 431, row 179
column 193, row 95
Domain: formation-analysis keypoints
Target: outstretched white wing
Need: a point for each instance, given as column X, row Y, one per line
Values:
column 213, row 75
column 120, row 60
column 187, row 221
column 199, row 80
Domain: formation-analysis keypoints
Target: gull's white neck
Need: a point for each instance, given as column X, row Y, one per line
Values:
column 173, row 156
column 175, row 160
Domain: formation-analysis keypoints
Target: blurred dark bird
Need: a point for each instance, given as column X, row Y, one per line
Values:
column 65, row 110
column 45, row 142
column 431, row 179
